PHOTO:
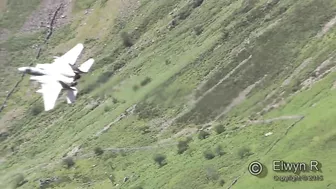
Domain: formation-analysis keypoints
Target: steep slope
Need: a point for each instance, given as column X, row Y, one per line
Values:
column 171, row 72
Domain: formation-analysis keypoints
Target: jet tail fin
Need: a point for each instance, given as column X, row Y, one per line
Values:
column 85, row 67
column 71, row 95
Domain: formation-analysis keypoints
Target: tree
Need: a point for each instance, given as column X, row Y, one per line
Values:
column 144, row 129
column 107, row 108
column 123, row 153
column 68, row 162
column 221, row 182
column 219, row 150
column 135, row 87
column 160, row 159
column 203, row 135
column 197, row 3
column 37, row 109
column 145, row 81
column 198, row 30
column 219, row 128
column 18, row 180
column 208, row 154
column 212, row 174
column 182, row 146
column 98, row 151
column 126, row 39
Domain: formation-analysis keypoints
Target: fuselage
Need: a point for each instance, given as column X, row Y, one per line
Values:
column 47, row 74
column 46, row 69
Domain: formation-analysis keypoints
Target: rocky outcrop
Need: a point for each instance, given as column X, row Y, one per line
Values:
column 40, row 19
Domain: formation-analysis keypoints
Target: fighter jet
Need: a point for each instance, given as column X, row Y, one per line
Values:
column 59, row 75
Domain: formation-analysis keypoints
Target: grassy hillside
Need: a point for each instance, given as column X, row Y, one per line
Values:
column 181, row 95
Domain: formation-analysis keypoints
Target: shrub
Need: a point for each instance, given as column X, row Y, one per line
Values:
column 109, row 155
column 188, row 139
column 98, row 151
column 182, row 146
column 87, row 89
column 185, row 12
column 197, row 3
column 84, row 4
column 18, row 180
column 212, row 174
column 107, row 60
column 247, row 5
column 203, row 135
column 107, row 108
column 221, row 182
column 135, row 87
column 89, row 40
column 36, row 110
column 160, row 159
column 144, row 129
column 103, row 3
column 208, row 154
column 147, row 110
column 126, row 39
column 219, row 128
column 114, row 100
column 219, row 150
column 168, row 62
column 123, row 153
column 244, row 152
column 4, row 136
column 189, row 152
column 103, row 78
column 145, row 81
column 111, row 177
column 118, row 65
column 68, row 162
column 198, row 30
column 296, row 86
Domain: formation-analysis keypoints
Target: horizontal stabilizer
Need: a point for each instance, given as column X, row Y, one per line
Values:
column 85, row 67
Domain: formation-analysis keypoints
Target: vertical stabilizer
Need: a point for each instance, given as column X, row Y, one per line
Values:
column 71, row 95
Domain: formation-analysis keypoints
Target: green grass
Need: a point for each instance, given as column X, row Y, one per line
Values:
column 16, row 12
column 167, row 66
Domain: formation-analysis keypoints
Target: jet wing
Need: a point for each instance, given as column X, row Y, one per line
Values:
column 70, row 57
column 63, row 64
column 50, row 92
column 43, row 66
